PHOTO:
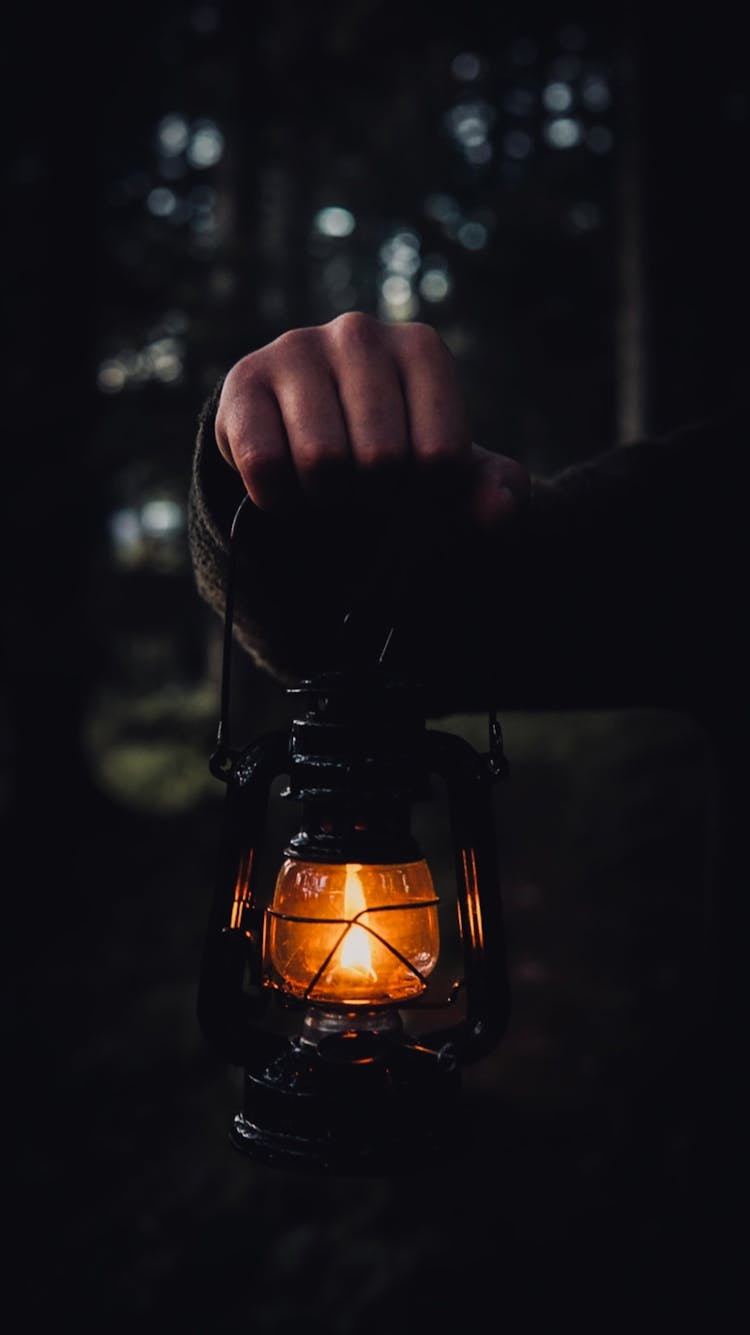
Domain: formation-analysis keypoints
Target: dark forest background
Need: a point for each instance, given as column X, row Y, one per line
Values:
column 559, row 189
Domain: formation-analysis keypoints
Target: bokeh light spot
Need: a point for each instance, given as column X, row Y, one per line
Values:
column 173, row 134
column 434, row 285
column 400, row 253
column 161, row 201
column 563, row 132
column 111, row 377
column 206, row 145
column 396, row 289
column 584, row 216
column 557, row 96
column 161, row 518
column 473, row 235
column 334, row 221
column 470, row 122
column 466, row 66
column 595, row 92
column 443, row 208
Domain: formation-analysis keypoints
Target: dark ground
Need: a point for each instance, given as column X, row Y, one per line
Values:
column 577, row 1182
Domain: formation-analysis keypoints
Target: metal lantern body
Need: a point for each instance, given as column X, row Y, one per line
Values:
column 346, row 944
column 310, row 986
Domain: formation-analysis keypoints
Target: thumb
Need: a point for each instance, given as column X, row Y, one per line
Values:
column 500, row 488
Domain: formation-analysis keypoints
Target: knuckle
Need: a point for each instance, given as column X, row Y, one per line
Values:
column 313, row 454
column 263, row 476
column 379, row 439
column 443, row 444
column 355, row 327
column 425, row 341
column 259, row 467
column 379, row 456
column 440, row 446
column 245, row 388
column 435, row 457
column 241, row 377
column 293, row 347
column 440, row 432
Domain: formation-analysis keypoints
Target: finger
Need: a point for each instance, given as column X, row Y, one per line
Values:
column 371, row 398
column 437, row 417
column 251, row 436
column 500, row 488
column 313, row 420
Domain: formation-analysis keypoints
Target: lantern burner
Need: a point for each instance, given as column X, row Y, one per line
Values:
column 349, row 1100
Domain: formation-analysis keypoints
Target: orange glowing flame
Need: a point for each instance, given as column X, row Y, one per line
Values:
column 356, row 954
column 352, row 934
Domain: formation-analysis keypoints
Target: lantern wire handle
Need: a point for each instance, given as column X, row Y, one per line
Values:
column 386, row 644
column 222, row 741
column 222, row 758
column 496, row 761
column 348, row 628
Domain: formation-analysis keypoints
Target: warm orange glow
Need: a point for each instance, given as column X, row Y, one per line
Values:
column 352, row 934
column 356, row 955
column 241, row 890
column 474, row 927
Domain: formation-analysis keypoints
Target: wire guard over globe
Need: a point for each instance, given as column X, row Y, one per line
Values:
column 352, row 934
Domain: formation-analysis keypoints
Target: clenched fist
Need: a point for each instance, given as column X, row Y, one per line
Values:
column 359, row 412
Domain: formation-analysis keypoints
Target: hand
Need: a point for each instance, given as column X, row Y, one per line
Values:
column 361, row 412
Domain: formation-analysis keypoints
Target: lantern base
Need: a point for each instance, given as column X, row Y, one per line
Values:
column 354, row 1102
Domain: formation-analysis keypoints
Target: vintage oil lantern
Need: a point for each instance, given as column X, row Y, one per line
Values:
column 322, row 987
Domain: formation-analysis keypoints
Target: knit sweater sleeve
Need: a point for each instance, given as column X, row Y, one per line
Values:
column 613, row 588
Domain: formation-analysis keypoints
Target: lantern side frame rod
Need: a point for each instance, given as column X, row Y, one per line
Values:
column 469, row 778
column 232, row 950
column 223, row 748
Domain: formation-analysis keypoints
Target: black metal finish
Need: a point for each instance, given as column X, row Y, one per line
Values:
column 356, row 767
column 354, row 1103
column 231, row 994
column 361, row 1095
column 469, row 777
column 357, row 1100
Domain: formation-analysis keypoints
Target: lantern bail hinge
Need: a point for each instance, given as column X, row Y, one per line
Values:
column 495, row 762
